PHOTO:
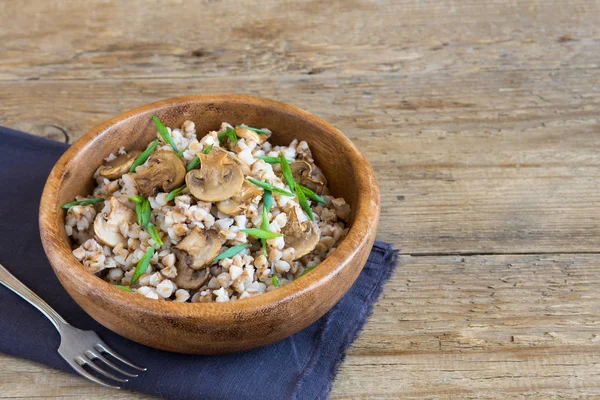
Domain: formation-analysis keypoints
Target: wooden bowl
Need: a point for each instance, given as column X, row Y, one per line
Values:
column 213, row 328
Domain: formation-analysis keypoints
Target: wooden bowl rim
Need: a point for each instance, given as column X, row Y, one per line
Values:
column 61, row 258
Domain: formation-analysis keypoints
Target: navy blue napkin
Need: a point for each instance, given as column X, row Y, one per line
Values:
column 302, row 366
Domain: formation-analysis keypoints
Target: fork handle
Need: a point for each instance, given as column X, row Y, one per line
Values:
column 11, row 282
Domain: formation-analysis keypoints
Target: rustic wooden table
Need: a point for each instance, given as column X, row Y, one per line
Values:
column 480, row 117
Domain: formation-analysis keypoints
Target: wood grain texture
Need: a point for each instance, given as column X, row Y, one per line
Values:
column 492, row 327
column 480, row 118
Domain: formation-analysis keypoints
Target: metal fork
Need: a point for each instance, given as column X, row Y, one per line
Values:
column 78, row 348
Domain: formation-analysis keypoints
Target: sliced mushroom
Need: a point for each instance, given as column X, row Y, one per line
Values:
column 245, row 167
column 198, row 248
column 165, row 171
column 240, row 201
column 114, row 169
column 301, row 170
column 106, row 227
column 249, row 134
column 303, row 237
column 188, row 278
column 218, row 178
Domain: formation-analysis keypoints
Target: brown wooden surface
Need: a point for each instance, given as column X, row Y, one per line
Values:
column 480, row 117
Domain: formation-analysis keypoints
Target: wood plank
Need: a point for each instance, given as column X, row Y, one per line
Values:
column 485, row 327
column 114, row 39
column 480, row 162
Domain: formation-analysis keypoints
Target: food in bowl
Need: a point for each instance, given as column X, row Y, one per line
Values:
column 214, row 218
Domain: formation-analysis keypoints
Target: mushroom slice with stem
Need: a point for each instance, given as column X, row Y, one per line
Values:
column 249, row 134
column 240, row 201
column 194, row 253
column 218, row 178
column 106, row 227
column 115, row 168
column 198, row 248
column 165, row 171
column 302, row 236
column 245, row 167
column 188, row 278
column 301, row 171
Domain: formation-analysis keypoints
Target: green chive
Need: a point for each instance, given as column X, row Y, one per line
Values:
column 269, row 159
column 142, row 265
column 304, row 204
column 307, row 270
column 230, row 252
column 261, row 131
column 270, row 187
column 261, row 233
column 180, row 153
column 125, row 288
column 193, row 164
column 287, row 172
column 311, row 195
column 137, row 199
column 138, row 212
column 276, row 281
column 84, row 202
column 229, row 134
column 268, row 198
column 265, row 218
column 208, row 149
column 154, row 234
column 144, row 156
column 146, row 212
column 267, row 204
column 164, row 133
column 175, row 192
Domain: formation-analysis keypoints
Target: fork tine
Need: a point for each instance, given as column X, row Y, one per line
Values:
column 92, row 354
column 101, row 371
column 104, row 347
column 81, row 371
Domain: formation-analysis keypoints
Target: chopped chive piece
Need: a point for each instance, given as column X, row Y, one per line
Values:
column 180, row 153
column 142, row 265
column 270, row 187
column 144, row 156
column 229, row 134
column 267, row 204
column 261, row 233
column 146, row 212
column 230, row 252
column 138, row 212
column 276, row 281
column 154, row 234
column 304, row 204
column 311, row 195
column 269, row 159
column 193, row 164
column 208, row 149
column 261, row 131
column 175, row 192
column 125, row 288
column 84, row 202
column 268, row 198
column 287, row 172
column 164, row 133
column 307, row 270
column 137, row 199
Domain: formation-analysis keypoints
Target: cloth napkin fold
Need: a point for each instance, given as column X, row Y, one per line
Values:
column 302, row 366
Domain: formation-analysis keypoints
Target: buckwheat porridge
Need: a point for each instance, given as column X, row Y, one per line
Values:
column 209, row 218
